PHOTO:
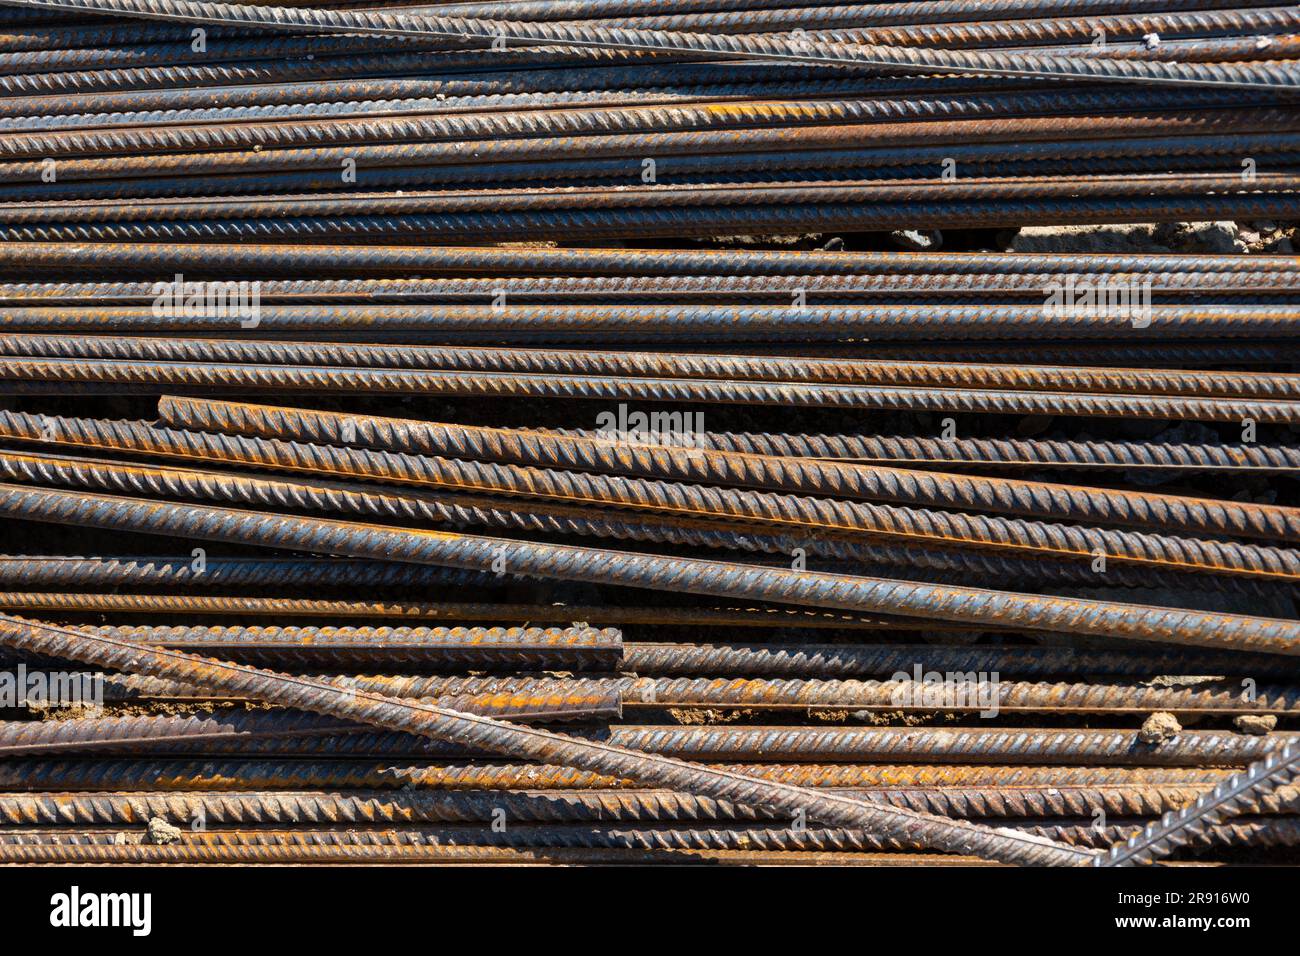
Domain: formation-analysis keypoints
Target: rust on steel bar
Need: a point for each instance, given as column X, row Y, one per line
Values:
column 988, row 697
column 752, row 517
column 109, row 733
column 706, row 141
column 631, row 198
column 540, row 324
column 461, row 511
column 1241, row 793
column 653, row 835
column 555, row 613
column 805, row 476
column 531, row 743
column 35, row 571
column 148, row 773
column 880, row 660
column 716, row 836
column 386, row 807
column 775, row 47
column 156, row 258
column 997, row 452
column 478, row 647
column 443, row 855
column 167, row 736
column 690, row 575
column 559, row 288
column 112, row 373
column 734, row 659
column 666, row 365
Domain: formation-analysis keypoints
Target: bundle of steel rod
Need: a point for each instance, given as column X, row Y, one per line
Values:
column 649, row 431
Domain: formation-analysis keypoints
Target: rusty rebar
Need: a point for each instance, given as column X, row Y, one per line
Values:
column 334, row 647
column 568, row 562
column 1241, row 793
column 953, row 747
column 768, row 47
column 845, row 479
column 145, row 773
column 983, row 692
column 932, row 375
column 867, row 537
column 1022, row 452
column 554, row 613
column 154, row 259
column 530, row 742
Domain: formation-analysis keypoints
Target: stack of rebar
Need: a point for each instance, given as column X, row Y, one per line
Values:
column 632, row 431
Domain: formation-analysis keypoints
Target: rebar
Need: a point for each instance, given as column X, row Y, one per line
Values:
column 720, row 579
column 805, row 476
column 769, row 47
column 532, row 743
column 1239, row 794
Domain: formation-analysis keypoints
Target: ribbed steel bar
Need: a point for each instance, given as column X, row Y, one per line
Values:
column 865, row 556
column 1011, row 452
column 477, row 647
column 560, row 288
column 1211, row 50
column 411, row 105
column 879, row 14
column 704, row 783
column 741, row 660
column 37, row 571
column 608, row 205
column 767, row 47
column 391, row 63
column 594, row 565
column 1259, row 385
column 434, row 842
column 453, row 511
column 801, row 117
column 683, row 222
column 189, row 854
column 164, row 375
column 1190, row 748
column 756, row 522
column 144, row 773
column 653, row 836
column 377, row 807
column 1062, row 31
column 1264, row 351
column 968, row 691
column 1194, row 154
column 803, row 475
column 597, row 74
column 784, row 744
column 892, row 143
column 546, row 818
column 882, row 660
column 1241, row 793
column 110, row 733
column 226, row 259
column 452, row 611
column 217, row 49
column 696, row 323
